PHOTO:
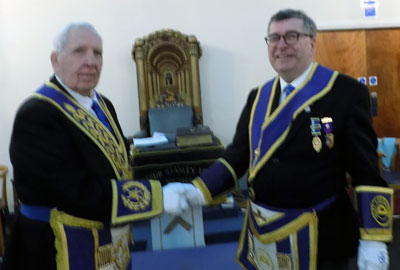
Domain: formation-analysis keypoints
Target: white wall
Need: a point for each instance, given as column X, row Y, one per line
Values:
column 230, row 31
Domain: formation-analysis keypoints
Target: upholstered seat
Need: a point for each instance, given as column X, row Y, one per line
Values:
column 168, row 119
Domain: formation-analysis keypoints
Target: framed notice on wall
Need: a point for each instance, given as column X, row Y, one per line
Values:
column 369, row 8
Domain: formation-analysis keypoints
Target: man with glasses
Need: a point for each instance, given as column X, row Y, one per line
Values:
column 298, row 136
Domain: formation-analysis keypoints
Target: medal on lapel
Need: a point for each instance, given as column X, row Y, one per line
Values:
column 316, row 132
column 328, row 128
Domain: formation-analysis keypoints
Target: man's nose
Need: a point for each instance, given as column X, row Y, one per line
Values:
column 281, row 42
column 91, row 58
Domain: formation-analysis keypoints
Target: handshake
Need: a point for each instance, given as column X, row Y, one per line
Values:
column 177, row 197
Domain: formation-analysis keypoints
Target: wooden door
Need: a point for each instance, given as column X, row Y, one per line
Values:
column 364, row 53
column 343, row 51
column 383, row 50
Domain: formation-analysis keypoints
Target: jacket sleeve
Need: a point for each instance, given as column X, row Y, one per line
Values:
column 56, row 165
column 374, row 198
column 222, row 176
column 360, row 145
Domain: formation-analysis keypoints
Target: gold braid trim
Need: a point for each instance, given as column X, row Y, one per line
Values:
column 95, row 130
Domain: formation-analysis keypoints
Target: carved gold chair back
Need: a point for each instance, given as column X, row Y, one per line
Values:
column 167, row 65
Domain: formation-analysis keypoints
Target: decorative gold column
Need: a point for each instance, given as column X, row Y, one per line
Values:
column 179, row 82
column 139, row 59
column 184, row 89
column 194, row 62
column 158, row 83
column 188, row 93
column 155, row 88
column 152, row 102
column 187, row 79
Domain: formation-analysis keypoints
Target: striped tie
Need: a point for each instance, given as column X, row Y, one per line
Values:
column 100, row 114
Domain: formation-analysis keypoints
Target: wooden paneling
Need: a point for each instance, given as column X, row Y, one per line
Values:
column 343, row 51
column 384, row 61
column 364, row 53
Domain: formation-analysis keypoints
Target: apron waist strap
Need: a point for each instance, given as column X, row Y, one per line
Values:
column 40, row 213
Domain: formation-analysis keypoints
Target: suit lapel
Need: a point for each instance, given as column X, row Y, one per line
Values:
column 275, row 102
column 301, row 121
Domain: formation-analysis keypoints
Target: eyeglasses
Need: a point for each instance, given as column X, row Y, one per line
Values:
column 289, row 38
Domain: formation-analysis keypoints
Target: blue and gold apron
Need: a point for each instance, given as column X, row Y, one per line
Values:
column 275, row 238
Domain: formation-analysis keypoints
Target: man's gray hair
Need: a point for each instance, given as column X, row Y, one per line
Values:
column 61, row 38
column 309, row 25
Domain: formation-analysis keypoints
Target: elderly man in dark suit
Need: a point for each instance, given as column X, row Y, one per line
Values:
column 71, row 169
column 298, row 136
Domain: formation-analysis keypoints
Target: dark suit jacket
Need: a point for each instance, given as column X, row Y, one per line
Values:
column 55, row 164
column 296, row 176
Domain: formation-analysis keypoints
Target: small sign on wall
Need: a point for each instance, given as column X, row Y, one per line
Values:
column 362, row 80
column 373, row 80
column 370, row 8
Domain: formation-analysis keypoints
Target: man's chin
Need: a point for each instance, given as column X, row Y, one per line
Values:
column 284, row 66
column 86, row 88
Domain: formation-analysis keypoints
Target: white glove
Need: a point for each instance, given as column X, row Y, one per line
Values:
column 174, row 200
column 194, row 196
column 372, row 255
column 177, row 197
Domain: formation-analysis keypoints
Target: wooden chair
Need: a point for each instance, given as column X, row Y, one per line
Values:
column 380, row 162
column 394, row 155
column 3, row 207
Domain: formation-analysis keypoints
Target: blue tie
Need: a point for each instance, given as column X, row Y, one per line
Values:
column 100, row 114
column 288, row 89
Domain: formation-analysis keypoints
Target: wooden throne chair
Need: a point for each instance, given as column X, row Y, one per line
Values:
column 167, row 64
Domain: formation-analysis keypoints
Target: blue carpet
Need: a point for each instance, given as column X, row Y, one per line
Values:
column 212, row 257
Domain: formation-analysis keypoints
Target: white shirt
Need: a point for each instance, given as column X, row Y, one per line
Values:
column 296, row 82
column 85, row 101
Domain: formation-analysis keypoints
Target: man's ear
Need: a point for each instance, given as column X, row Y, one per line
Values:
column 54, row 59
column 313, row 45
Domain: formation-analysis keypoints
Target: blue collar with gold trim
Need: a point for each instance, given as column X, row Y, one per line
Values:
column 112, row 147
column 269, row 129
